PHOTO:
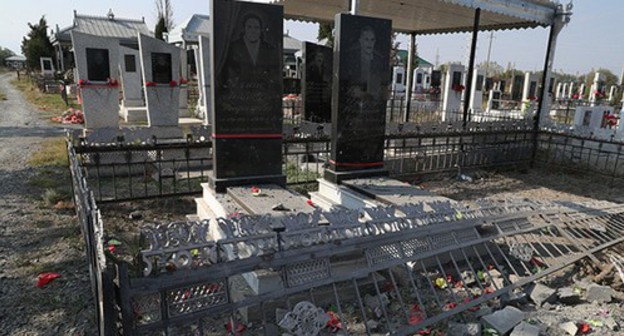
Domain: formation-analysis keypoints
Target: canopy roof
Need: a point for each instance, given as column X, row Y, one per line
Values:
column 430, row 16
column 189, row 30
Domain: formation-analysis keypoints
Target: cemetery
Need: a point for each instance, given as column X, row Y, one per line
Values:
column 253, row 212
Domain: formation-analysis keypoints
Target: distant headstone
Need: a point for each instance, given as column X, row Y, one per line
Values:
column 316, row 80
column 359, row 97
column 436, row 78
column 247, row 93
column 47, row 66
column 452, row 95
column 476, row 99
column 160, row 63
column 203, row 78
column 516, row 87
column 96, row 57
column 184, row 76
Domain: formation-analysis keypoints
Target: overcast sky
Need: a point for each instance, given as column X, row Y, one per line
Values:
column 593, row 39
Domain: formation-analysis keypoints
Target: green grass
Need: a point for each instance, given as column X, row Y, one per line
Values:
column 53, row 153
column 49, row 104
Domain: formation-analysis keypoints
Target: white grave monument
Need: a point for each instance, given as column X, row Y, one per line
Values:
column 203, row 78
column 453, row 89
column 597, row 89
column 592, row 118
column 97, row 60
column 421, row 80
column 160, row 63
column 559, row 91
column 184, row 75
column 398, row 81
column 564, row 91
column 476, row 100
column 529, row 92
column 581, row 91
column 571, row 91
column 132, row 104
column 494, row 101
column 47, row 66
column 612, row 93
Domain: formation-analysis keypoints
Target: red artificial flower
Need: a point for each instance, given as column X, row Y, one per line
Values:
column 334, row 322
column 310, row 203
column 416, row 315
column 173, row 83
column 458, row 88
column 183, row 80
column 584, row 328
column 148, row 83
column 83, row 82
column 45, row 278
column 112, row 82
column 237, row 330
column 255, row 191
column 111, row 247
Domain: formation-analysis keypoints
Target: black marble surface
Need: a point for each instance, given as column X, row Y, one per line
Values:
column 316, row 82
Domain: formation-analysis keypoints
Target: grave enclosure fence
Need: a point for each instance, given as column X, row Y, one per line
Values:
column 201, row 301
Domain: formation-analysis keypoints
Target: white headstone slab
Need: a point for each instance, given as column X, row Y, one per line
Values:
column 529, row 90
column 571, row 89
column 47, row 66
column 97, row 60
column 453, row 89
column 160, row 64
column 131, row 79
column 592, row 117
column 398, row 81
column 204, row 77
column 184, row 76
column 476, row 99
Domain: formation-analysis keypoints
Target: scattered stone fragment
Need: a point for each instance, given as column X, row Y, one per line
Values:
column 611, row 324
column 468, row 277
column 569, row 327
column 136, row 215
column 540, row 294
column 503, row 321
column 525, row 329
column 373, row 302
column 599, row 294
column 514, row 299
column 372, row 324
column 569, row 296
column 461, row 329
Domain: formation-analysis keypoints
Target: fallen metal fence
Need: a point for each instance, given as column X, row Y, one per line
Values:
column 335, row 272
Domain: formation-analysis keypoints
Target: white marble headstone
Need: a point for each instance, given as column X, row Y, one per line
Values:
column 453, row 84
column 204, row 77
column 184, row 73
column 100, row 100
column 47, row 66
column 162, row 98
column 476, row 99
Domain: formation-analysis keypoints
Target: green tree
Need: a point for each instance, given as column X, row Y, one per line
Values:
column 326, row 31
column 164, row 10
column 493, row 69
column 4, row 54
column 36, row 43
column 394, row 51
column 160, row 28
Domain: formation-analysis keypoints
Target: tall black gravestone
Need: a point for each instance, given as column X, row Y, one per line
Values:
column 316, row 80
column 247, row 93
column 361, row 63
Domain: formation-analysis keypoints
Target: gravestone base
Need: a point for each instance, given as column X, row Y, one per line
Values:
column 331, row 195
column 339, row 176
column 133, row 113
column 221, row 185
column 392, row 192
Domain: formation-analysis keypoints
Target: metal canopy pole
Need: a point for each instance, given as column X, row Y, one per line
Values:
column 543, row 109
column 473, row 50
column 410, row 75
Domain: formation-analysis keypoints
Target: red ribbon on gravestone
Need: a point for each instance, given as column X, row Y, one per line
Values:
column 173, row 83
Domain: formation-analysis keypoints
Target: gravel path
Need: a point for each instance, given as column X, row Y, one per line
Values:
column 35, row 238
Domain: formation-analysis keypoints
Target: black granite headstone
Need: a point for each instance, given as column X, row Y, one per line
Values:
column 516, row 87
column 489, row 83
column 533, row 89
column 162, row 70
column 436, row 78
column 247, row 85
column 361, row 63
column 317, row 79
column 47, row 65
column 479, row 86
column 98, row 66
column 496, row 96
column 503, row 85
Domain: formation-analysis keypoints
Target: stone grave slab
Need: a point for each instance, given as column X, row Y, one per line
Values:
column 247, row 94
column 160, row 63
column 47, row 66
column 203, row 78
column 390, row 191
column 272, row 199
column 316, row 82
column 360, row 89
column 97, row 59
column 452, row 93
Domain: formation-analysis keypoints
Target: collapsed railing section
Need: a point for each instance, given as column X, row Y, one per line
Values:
column 92, row 230
column 337, row 271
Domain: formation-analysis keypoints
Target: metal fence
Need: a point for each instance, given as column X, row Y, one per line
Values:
column 121, row 172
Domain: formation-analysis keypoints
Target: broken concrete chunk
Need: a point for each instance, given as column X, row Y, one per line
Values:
column 525, row 329
column 599, row 294
column 540, row 294
column 569, row 296
column 514, row 299
column 503, row 321
column 373, row 302
column 461, row 329
column 569, row 327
